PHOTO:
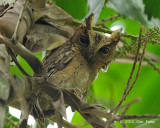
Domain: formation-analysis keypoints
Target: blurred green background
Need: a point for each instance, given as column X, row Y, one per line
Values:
column 108, row 88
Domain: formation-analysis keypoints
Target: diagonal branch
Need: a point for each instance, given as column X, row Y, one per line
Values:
column 111, row 18
column 32, row 60
column 128, row 105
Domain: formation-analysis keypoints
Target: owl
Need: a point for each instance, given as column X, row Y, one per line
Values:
column 76, row 63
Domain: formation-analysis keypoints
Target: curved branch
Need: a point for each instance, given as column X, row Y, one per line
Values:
column 32, row 60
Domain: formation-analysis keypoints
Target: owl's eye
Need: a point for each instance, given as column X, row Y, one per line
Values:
column 104, row 50
column 84, row 39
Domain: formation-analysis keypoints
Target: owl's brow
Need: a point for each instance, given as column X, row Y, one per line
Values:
column 98, row 38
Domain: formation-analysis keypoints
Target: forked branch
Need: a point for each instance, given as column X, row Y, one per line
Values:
column 127, row 88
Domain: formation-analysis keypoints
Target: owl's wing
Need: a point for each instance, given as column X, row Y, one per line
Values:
column 58, row 59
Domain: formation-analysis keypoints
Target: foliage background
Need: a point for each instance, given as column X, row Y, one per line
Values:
column 108, row 88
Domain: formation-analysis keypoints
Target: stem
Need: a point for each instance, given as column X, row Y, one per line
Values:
column 14, row 37
column 104, row 21
column 76, row 23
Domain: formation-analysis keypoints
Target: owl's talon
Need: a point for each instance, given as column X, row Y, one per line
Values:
column 78, row 92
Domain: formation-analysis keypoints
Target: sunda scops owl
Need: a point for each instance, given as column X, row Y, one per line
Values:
column 76, row 63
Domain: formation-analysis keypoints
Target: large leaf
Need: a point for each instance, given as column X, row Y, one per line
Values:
column 152, row 8
column 133, row 9
column 95, row 6
column 76, row 8
column 129, row 8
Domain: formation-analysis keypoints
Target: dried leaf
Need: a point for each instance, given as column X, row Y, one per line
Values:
column 59, row 105
column 60, row 110
column 10, row 17
column 42, row 42
column 52, row 14
column 91, row 114
column 4, row 88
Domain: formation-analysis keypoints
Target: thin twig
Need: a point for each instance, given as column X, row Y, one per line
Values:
column 123, row 124
column 130, row 77
column 111, row 18
column 15, row 37
column 140, row 116
column 149, row 59
column 113, row 116
column 141, row 59
column 150, row 63
column 128, row 105
column 76, row 23
column 16, row 62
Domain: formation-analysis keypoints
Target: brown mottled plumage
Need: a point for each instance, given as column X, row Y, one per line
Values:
column 76, row 63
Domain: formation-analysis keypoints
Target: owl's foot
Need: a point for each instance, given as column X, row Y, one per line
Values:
column 78, row 92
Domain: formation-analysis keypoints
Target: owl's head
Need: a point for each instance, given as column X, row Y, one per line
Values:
column 97, row 49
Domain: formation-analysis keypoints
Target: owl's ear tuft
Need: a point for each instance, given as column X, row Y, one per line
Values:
column 116, row 36
column 89, row 21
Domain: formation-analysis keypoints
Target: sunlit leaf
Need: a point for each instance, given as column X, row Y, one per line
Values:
column 95, row 6
column 4, row 2
column 132, row 9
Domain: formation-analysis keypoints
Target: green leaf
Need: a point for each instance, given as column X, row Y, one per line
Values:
column 14, row 69
column 76, row 8
column 152, row 8
column 79, row 121
column 47, row 122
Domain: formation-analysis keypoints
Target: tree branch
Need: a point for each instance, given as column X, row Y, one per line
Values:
column 32, row 60
column 127, row 89
column 141, row 116
column 66, row 124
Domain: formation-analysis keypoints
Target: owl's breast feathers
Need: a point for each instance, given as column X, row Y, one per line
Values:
column 66, row 67
column 58, row 59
